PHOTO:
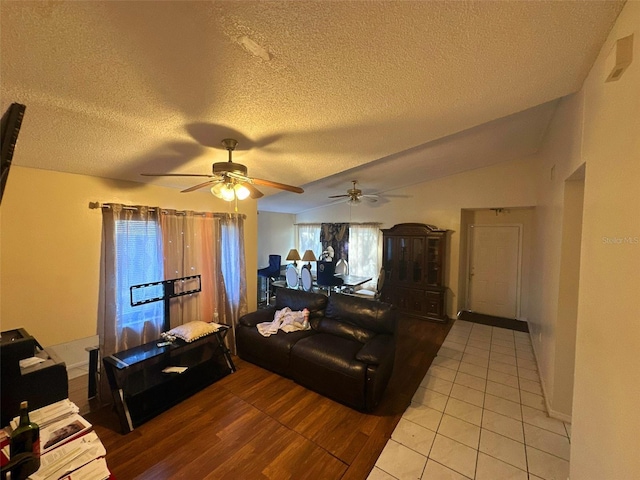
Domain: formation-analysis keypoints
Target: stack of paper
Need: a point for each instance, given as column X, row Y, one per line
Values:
column 70, row 457
column 51, row 413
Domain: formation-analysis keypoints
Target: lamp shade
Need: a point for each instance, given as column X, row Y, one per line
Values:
column 309, row 256
column 293, row 255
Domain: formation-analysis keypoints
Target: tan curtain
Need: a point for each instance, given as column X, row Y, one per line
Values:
column 234, row 273
column 121, row 326
column 182, row 258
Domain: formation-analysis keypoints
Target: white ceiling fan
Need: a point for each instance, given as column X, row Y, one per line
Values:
column 355, row 195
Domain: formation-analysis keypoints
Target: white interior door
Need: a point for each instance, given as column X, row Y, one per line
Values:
column 494, row 261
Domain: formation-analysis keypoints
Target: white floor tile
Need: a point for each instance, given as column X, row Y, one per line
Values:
column 479, row 352
column 442, row 372
column 503, row 391
column 430, row 398
column 503, row 425
column 470, row 381
column 503, row 378
column 502, row 358
column 490, row 468
column 511, row 351
column 547, row 441
column 466, row 394
column 528, row 364
column 458, row 338
column 475, row 360
column 435, row 471
column 503, row 342
column 503, row 368
column 423, row 416
column 450, row 353
column 482, row 345
column 436, row 384
column 527, row 374
column 460, row 431
column 454, row 455
column 546, row 466
column 414, row 436
column 471, row 369
column 453, row 345
column 464, row 411
column 446, row 362
column 531, row 386
column 540, row 419
column 503, row 448
column 532, row 400
column 479, row 414
column 378, row 474
column 503, row 406
column 401, row 462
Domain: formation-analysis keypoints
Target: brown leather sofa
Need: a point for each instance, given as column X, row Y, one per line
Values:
column 347, row 355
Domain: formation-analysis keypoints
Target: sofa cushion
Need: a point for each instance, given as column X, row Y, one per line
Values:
column 273, row 352
column 327, row 364
column 345, row 330
column 368, row 314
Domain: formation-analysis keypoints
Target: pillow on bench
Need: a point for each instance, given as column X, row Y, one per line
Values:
column 191, row 331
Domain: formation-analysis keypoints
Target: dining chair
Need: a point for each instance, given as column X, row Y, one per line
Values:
column 372, row 294
column 326, row 276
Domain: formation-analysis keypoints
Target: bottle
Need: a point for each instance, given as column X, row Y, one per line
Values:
column 26, row 438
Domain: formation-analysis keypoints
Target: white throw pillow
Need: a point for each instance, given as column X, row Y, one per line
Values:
column 191, row 331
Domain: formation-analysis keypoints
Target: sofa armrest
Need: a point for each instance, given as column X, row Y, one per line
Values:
column 377, row 350
column 259, row 316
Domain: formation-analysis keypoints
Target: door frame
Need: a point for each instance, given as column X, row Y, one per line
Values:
column 519, row 226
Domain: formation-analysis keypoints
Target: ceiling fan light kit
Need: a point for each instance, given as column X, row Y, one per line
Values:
column 230, row 180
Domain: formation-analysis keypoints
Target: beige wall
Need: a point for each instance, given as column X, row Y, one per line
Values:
column 439, row 203
column 50, row 247
column 275, row 236
column 598, row 126
column 607, row 377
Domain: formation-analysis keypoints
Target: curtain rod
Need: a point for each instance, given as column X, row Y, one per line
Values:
column 96, row 205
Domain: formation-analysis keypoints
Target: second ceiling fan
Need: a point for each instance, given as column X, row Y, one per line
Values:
column 355, row 195
column 230, row 180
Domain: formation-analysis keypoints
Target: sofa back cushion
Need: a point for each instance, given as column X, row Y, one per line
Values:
column 345, row 330
column 369, row 315
column 299, row 300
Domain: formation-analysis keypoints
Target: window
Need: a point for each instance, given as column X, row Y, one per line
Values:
column 365, row 247
column 139, row 260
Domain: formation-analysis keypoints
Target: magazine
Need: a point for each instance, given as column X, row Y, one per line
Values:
column 60, row 432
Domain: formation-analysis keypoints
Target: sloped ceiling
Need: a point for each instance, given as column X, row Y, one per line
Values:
column 316, row 92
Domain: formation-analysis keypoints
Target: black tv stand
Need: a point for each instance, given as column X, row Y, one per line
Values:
column 140, row 388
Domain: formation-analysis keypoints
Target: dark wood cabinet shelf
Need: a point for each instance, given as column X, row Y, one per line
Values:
column 140, row 388
column 413, row 260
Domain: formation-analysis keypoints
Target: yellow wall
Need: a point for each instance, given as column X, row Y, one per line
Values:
column 50, row 247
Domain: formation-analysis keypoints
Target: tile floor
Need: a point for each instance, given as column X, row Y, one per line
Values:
column 478, row 414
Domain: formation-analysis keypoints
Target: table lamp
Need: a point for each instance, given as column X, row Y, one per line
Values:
column 308, row 257
column 293, row 255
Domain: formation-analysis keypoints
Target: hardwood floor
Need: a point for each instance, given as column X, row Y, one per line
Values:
column 254, row 424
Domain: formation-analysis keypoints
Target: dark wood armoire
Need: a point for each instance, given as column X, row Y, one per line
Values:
column 413, row 258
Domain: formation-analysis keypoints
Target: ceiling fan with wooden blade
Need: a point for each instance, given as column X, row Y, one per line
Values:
column 230, row 180
column 355, row 195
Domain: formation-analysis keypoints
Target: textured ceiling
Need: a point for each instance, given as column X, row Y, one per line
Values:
column 310, row 89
